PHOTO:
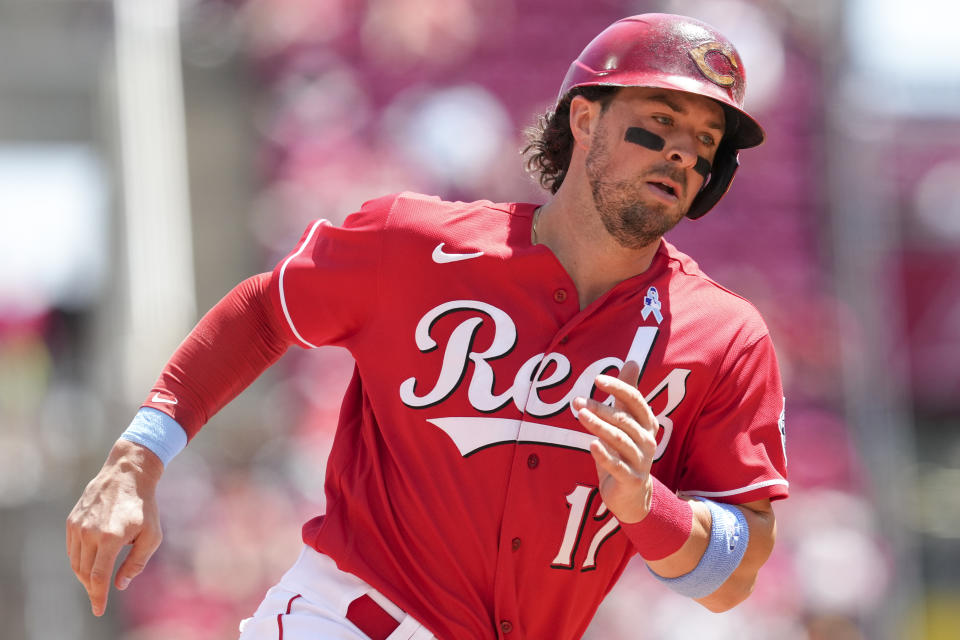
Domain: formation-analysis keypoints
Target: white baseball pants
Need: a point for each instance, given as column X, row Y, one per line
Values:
column 310, row 603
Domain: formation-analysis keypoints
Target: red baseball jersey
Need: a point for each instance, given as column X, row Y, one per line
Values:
column 460, row 483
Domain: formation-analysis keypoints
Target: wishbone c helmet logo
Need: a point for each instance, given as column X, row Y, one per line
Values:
column 699, row 55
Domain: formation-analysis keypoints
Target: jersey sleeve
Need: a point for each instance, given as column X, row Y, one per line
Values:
column 229, row 348
column 327, row 287
column 737, row 451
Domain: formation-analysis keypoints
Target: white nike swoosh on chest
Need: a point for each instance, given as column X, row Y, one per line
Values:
column 442, row 257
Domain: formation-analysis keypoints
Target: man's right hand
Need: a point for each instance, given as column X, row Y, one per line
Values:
column 117, row 508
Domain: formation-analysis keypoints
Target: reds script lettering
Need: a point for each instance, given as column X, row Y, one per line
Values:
column 524, row 392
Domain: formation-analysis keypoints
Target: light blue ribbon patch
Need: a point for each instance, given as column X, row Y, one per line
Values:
column 651, row 304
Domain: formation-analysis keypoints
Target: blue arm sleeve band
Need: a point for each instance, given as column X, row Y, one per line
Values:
column 729, row 535
column 158, row 432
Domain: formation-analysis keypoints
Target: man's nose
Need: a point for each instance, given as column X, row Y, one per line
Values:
column 681, row 151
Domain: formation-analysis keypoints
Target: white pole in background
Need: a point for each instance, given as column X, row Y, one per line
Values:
column 160, row 305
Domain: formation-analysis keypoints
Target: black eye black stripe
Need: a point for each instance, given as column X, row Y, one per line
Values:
column 702, row 167
column 644, row 138
column 652, row 141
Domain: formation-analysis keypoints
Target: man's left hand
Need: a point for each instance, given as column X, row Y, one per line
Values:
column 626, row 443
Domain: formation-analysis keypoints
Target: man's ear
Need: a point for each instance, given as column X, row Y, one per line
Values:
column 584, row 116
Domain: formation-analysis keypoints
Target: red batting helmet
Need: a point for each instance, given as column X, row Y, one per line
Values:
column 675, row 52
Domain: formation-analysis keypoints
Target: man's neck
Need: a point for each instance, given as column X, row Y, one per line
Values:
column 593, row 259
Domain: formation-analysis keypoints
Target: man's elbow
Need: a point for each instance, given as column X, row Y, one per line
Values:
column 730, row 594
column 741, row 583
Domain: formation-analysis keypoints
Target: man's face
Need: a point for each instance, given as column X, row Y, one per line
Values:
column 640, row 190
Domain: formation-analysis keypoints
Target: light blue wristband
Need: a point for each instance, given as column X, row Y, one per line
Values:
column 158, row 432
column 729, row 535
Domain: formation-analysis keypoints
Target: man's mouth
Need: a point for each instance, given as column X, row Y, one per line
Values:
column 666, row 189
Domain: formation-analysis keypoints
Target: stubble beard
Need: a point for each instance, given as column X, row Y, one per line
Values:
column 626, row 211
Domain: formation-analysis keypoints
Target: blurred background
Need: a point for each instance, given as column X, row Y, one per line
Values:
column 153, row 153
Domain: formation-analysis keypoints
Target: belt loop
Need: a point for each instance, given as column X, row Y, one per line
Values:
column 395, row 612
column 422, row 634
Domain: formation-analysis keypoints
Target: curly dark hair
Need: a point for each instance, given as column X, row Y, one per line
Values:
column 550, row 142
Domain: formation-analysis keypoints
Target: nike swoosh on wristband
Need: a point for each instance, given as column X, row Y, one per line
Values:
column 156, row 398
column 442, row 257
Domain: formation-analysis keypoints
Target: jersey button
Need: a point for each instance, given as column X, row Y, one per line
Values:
column 506, row 626
column 533, row 461
column 515, row 543
column 560, row 295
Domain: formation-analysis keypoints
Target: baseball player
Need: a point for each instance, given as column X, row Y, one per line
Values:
column 540, row 392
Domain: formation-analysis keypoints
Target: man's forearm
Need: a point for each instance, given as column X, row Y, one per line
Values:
column 761, row 529
column 229, row 348
column 685, row 559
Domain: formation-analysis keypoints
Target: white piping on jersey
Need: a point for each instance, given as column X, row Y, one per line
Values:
column 470, row 434
column 733, row 492
column 283, row 268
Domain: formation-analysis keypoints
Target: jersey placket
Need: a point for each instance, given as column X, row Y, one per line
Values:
column 511, row 544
